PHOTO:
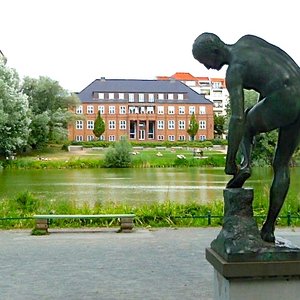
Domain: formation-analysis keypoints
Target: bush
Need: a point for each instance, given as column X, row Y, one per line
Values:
column 119, row 156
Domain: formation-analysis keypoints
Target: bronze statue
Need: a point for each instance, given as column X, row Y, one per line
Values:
column 256, row 64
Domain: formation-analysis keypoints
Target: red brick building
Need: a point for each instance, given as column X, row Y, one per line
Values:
column 142, row 110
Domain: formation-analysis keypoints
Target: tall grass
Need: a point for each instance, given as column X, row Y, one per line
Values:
column 17, row 212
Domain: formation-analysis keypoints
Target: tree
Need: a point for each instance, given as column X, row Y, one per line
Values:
column 219, row 125
column 47, row 96
column 14, row 113
column 99, row 126
column 193, row 127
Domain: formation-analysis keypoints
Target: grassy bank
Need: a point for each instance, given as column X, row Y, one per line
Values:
column 17, row 213
column 88, row 158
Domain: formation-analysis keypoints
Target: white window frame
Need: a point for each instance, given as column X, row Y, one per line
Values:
column 121, row 96
column 192, row 110
column 180, row 97
column 79, row 138
column 160, row 110
column 112, row 124
column 181, row 110
column 111, row 138
column 202, row 124
column 161, row 96
column 171, row 110
column 90, row 138
column 90, row 109
column 122, row 124
column 171, row 138
column 79, row 124
column 161, row 124
column 79, row 110
column 122, row 110
column 101, row 96
column 130, row 97
column 202, row 110
column 181, row 124
column 90, row 124
column 202, row 137
column 161, row 137
column 171, row 124
column 182, row 138
column 101, row 108
column 170, row 96
column 111, row 109
column 151, row 98
column 141, row 97
column 111, row 96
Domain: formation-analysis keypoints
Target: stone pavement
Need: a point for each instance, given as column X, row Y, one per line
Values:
column 102, row 264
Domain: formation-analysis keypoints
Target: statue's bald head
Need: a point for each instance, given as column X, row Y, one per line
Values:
column 206, row 44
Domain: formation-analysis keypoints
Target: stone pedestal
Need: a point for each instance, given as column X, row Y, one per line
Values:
column 246, row 267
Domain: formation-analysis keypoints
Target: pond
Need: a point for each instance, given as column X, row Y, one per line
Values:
column 133, row 186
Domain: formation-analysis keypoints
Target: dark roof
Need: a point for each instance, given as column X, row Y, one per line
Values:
column 140, row 86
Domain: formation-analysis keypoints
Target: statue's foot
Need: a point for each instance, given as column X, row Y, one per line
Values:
column 239, row 179
column 267, row 235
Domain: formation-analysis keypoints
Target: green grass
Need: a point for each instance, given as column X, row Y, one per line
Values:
column 17, row 213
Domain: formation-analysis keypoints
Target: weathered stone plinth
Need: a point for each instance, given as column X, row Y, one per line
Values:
column 239, row 239
column 246, row 267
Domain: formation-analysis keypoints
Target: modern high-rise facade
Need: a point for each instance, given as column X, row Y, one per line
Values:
column 141, row 110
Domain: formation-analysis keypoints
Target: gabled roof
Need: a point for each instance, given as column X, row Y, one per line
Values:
column 183, row 76
column 140, row 86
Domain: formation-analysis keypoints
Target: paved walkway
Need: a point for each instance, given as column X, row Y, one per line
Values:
column 160, row 264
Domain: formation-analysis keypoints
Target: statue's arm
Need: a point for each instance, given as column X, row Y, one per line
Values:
column 236, row 128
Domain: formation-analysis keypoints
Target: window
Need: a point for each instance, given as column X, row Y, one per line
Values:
column 150, row 110
column 112, row 124
column 79, row 138
column 121, row 96
column 90, row 138
column 202, row 124
column 79, row 124
column 79, row 110
column 90, row 124
column 180, row 96
column 181, row 138
column 111, row 138
column 101, row 96
column 130, row 97
column 160, row 137
column 202, row 137
column 150, row 97
column 191, row 110
column 111, row 96
column 160, row 124
column 122, row 110
column 131, row 109
column 170, row 96
column 160, row 110
column 171, row 110
column 171, row 138
column 181, row 110
column 122, row 124
column 181, row 124
column 101, row 109
column 111, row 110
column 90, row 109
column 202, row 110
column 141, row 97
column 171, row 124
column 161, row 97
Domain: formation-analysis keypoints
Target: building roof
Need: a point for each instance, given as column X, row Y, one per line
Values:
column 140, row 86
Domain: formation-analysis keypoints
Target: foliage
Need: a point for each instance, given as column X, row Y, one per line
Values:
column 219, row 125
column 119, row 156
column 99, row 126
column 48, row 100
column 193, row 127
column 14, row 119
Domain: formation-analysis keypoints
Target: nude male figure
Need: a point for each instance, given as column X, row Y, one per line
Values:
column 256, row 64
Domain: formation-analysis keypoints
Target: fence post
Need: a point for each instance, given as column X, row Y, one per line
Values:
column 289, row 218
column 208, row 218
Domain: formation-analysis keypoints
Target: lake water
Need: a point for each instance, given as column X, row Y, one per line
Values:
column 133, row 186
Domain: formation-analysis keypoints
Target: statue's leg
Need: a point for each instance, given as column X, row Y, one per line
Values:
column 288, row 141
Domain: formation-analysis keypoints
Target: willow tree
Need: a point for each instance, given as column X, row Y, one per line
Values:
column 193, row 127
column 99, row 126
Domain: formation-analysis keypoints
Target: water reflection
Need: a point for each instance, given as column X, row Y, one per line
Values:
column 132, row 186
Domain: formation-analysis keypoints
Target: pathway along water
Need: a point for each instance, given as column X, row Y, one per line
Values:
column 133, row 186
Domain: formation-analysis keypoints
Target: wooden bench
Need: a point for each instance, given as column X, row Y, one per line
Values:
column 126, row 220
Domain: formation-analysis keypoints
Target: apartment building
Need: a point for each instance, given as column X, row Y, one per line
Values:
column 214, row 89
column 142, row 110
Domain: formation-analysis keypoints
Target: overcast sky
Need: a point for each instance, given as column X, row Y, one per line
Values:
column 77, row 41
